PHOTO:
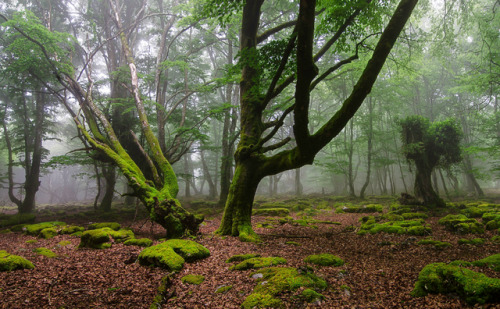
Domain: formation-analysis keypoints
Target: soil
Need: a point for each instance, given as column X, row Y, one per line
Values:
column 380, row 270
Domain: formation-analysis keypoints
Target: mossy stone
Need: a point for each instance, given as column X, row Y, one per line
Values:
column 310, row 295
column 17, row 219
column 119, row 235
column 10, row 262
column 45, row 252
column 258, row 262
column 64, row 243
column 35, row 229
column 241, row 257
column 99, row 225
column 193, row 279
column 461, row 224
column 223, row 289
column 96, row 239
column 475, row 241
column 161, row 255
column 141, row 242
column 472, row 286
column 324, row 259
column 48, row 233
column 414, row 215
column 188, row 249
column 492, row 261
column 70, row 229
column 257, row 300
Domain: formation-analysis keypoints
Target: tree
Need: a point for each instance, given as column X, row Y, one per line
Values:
column 268, row 71
column 429, row 146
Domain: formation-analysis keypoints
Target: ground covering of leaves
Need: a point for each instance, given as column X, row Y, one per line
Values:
column 380, row 270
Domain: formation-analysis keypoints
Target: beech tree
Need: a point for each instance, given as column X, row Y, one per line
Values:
column 334, row 24
column 429, row 146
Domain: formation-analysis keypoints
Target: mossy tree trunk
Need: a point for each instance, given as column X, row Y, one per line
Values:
column 424, row 191
column 252, row 163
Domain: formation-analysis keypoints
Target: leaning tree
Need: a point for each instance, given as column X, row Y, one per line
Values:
column 298, row 47
column 429, row 145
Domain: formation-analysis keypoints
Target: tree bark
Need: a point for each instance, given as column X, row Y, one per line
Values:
column 424, row 191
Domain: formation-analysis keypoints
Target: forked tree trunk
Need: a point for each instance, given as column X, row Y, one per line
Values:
column 424, row 191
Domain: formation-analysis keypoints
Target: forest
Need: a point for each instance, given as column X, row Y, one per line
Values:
column 249, row 154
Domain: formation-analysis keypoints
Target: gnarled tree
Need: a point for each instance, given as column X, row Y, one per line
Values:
column 428, row 146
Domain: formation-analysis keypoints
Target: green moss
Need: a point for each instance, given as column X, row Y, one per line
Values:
column 142, row 242
column 45, row 252
column 35, row 229
column 436, row 243
column 408, row 227
column 492, row 261
column 257, row 300
column 48, row 233
column 246, row 233
column 70, row 229
column 193, row 279
column 10, row 262
column 369, row 208
column 277, row 212
column 292, row 243
column 120, row 235
column 324, row 259
column 31, row 241
column 223, row 289
column 64, row 243
column 475, row 241
column 414, row 215
column 276, row 280
column 461, row 224
column 495, row 239
column 258, row 262
column 241, row 257
column 473, row 287
column 188, row 249
column 17, row 219
column 99, row 225
column 492, row 225
column 161, row 255
column 96, row 239
column 310, row 295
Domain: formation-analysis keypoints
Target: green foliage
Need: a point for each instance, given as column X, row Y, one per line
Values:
column 45, row 252
column 258, row 262
column 10, row 262
column 193, row 279
column 324, row 259
column 472, row 286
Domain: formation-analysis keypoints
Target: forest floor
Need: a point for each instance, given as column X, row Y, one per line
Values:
column 380, row 269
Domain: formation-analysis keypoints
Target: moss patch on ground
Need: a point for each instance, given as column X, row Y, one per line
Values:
column 461, row 224
column 48, row 233
column 95, row 239
column 193, row 279
column 35, row 229
column 276, row 212
column 45, row 252
column 99, row 225
column 17, row 219
column 141, row 242
column 223, row 289
column 475, row 241
column 436, row 243
column 408, row 227
column 324, row 259
column 70, row 229
column 471, row 286
column 258, row 262
column 10, row 262
column 277, row 280
column 369, row 208
column 241, row 257
column 172, row 254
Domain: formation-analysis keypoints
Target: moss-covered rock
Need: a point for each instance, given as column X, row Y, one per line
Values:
column 472, row 286
column 461, row 224
column 193, row 279
column 17, row 219
column 258, row 262
column 45, row 252
column 277, row 212
column 492, row 261
column 10, row 262
column 120, row 235
column 48, row 233
column 414, row 215
column 409, row 227
column 95, row 239
column 436, row 243
column 223, row 289
column 172, row 254
column 324, row 259
column 141, row 242
column 241, row 257
column 311, row 296
column 35, row 229
column 188, row 249
column 276, row 280
column 70, row 229
column 369, row 208
column 99, row 225
column 64, row 243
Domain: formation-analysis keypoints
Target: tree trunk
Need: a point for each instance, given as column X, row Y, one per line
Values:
column 109, row 174
column 369, row 150
column 298, row 184
column 424, row 191
column 212, row 190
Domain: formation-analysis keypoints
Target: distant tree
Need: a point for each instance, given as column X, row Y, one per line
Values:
column 430, row 145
